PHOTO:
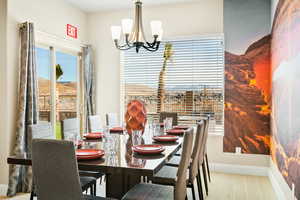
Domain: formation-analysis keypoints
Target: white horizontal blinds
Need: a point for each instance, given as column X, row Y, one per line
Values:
column 194, row 79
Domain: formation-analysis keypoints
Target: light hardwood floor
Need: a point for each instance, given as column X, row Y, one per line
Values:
column 222, row 187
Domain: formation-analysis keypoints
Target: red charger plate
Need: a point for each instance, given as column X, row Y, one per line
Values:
column 148, row 149
column 181, row 127
column 89, row 154
column 116, row 130
column 93, row 136
column 175, row 131
column 165, row 138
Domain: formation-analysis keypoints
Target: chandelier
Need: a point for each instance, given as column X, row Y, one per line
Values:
column 134, row 36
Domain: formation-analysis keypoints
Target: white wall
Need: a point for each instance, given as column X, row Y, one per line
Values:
column 178, row 20
column 48, row 16
column 189, row 19
column 3, row 55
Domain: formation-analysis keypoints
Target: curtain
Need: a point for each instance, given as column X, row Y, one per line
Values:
column 20, row 177
column 89, row 85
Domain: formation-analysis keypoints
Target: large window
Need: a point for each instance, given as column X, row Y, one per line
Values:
column 58, row 81
column 191, row 84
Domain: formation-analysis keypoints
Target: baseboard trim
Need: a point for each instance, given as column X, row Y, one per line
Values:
column 239, row 169
column 281, row 188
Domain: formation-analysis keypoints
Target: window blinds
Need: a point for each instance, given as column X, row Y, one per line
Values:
column 193, row 79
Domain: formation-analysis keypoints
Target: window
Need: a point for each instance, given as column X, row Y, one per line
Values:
column 58, row 85
column 192, row 83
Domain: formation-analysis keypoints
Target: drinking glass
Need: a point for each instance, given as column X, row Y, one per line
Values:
column 168, row 123
column 136, row 137
column 156, row 129
column 73, row 137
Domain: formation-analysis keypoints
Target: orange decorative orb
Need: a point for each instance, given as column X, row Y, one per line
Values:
column 136, row 116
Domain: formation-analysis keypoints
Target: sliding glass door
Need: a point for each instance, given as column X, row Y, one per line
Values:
column 59, row 85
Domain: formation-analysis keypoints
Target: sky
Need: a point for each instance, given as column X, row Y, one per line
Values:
column 245, row 21
column 67, row 62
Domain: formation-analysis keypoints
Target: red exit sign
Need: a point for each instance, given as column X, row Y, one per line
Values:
column 72, row 31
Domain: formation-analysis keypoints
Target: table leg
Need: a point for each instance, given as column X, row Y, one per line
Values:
column 117, row 184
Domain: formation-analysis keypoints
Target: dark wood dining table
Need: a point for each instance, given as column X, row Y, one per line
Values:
column 123, row 167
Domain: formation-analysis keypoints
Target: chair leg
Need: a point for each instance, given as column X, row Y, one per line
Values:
column 92, row 190
column 31, row 195
column 205, row 178
column 95, row 189
column 207, row 166
column 200, row 191
column 193, row 191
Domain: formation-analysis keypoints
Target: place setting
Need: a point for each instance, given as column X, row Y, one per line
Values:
column 89, row 154
column 93, row 135
column 144, row 149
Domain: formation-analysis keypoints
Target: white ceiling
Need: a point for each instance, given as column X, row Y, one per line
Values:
column 103, row 5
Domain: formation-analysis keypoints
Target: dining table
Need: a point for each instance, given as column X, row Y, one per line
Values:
column 123, row 167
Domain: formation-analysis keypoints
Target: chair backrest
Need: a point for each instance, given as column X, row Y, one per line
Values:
column 42, row 130
column 95, row 123
column 204, row 141
column 69, row 127
column 173, row 115
column 55, row 170
column 198, row 142
column 112, row 119
column 180, row 186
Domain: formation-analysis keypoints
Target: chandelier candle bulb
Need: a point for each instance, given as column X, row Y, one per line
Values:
column 156, row 27
column 161, row 33
column 127, row 26
column 116, row 32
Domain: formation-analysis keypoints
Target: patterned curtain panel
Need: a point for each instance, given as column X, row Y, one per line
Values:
column 20, row 177
column 89, row 85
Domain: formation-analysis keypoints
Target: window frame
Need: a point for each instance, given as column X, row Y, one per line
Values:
column 176, row 38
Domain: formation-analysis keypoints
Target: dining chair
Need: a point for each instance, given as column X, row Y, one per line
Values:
column 206, row 157
column 206, row 163
column 167, row 175
column 69, row 128
column 95, row 123
column 147, row 191
column 112, row 120
column 55, row 171
column 173, row 115
column 42, row 130
column 174, row 161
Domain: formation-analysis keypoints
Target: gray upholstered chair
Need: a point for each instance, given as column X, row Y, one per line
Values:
column 163, row 192
column 95, row 123
column 70, row 127
column 55, row 171
column 112, row 120
column 42, row 130
column 205, row 162
column 175, row 159
column 173, row 115
column 167, row 175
